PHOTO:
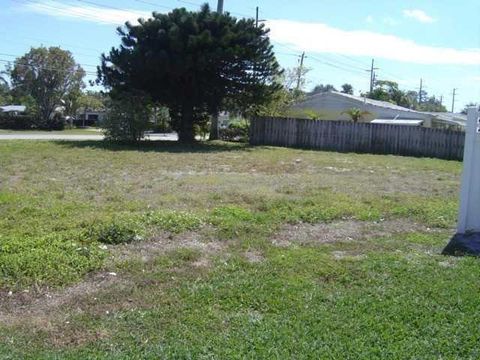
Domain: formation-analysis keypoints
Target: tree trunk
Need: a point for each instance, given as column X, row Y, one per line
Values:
column 186, row 133
column 214, row 128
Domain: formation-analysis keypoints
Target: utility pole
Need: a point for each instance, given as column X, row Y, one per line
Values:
column 453, row 98
column 372, row 75
column 256, row 16
column 420, row 91
column 441, row 99
column 300, row 68
column 220, row 6
column 214, row 124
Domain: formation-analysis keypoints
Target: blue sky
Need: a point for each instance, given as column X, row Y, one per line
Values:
column 438, row 41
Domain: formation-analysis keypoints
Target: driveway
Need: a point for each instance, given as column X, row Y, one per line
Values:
column 73, row 137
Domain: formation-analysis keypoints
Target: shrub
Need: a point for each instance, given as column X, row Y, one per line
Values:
column 237, row 131
column 55, row 123
column 128, row 118
column 117, row 231
column 162, row 120
column 16, row 122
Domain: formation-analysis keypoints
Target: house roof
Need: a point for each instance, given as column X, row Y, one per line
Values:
column 11, row 108
column 364, row 100
column 451, row 118
column 407, row 122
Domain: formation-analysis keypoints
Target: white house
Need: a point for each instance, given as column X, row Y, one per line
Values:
column 332, row 105
column 13, row 109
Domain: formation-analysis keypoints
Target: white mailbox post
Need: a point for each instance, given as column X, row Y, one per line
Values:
column 467, row 239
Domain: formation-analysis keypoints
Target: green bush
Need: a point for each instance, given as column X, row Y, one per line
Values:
column 163, row 122
column 237, row 131
column 56, row 123
column 117, row 231
column 128, row 118
column 16, row 122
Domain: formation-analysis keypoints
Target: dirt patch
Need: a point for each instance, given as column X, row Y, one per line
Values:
column 46, row 310
column 347, row 230
column 162, row 243
column 254, row 257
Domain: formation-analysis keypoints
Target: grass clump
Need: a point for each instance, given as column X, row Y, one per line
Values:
column 54, row 259
column 173, row 221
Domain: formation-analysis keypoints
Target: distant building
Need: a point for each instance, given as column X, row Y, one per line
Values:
column 13, row 109
column 332, row 106
column 89, row 117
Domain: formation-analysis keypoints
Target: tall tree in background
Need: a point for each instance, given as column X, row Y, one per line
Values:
column 5, row 96
column 322, row 88
column 193, row 63
column 386, row 90
column 347, row 89
column 48, row 75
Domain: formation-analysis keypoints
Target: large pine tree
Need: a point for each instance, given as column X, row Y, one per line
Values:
column 194, row 63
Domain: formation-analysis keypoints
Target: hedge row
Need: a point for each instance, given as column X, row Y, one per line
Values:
column 26, row 122
column 16, row 122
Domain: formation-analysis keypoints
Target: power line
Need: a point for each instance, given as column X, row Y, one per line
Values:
column 18, row 56
column 9, row 62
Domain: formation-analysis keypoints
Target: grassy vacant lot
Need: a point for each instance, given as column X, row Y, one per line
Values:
column 227, row 251
column 79, row 131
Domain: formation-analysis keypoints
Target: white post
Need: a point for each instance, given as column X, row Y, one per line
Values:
column 467, row 239
column 469, row 213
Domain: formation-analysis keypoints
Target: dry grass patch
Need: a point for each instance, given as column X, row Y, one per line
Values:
column 341, row 231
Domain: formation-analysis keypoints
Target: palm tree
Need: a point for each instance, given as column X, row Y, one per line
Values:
column 355, row 114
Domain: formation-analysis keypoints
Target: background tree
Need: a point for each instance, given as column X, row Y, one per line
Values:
column 465, row 109
column 5, row 96
column 431, row 104
column 347, row 89
column 322, row 88
column 76, row 102
column 386, row 90
column 48, row 75
column 291, row 75
column 193, row 63
column 128, row 117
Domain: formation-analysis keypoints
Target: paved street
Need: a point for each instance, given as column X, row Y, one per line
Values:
column 72, row 137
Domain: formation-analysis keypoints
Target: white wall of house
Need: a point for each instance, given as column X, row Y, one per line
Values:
column 330, row 106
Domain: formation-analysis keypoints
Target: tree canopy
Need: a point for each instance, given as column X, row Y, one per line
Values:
column 322, row 88
column 48, row 76
column 347, row 89
column 194, row 63
column 386, row 90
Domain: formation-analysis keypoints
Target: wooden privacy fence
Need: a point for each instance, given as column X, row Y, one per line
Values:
column 345, row 136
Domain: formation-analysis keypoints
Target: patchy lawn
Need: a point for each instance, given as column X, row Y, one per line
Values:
column 79, row 131
column 227, row 251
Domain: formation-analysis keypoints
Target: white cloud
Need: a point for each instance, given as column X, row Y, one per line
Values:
column 418, row 15
column 318, row 37
column 86, row 13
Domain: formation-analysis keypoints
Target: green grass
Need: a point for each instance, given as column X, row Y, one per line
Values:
column 72, row 210
column 85, row 131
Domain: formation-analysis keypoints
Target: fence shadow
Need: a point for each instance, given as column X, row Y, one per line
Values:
column 159, row 146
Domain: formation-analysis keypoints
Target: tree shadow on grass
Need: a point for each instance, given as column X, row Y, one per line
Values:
column 159, row 146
